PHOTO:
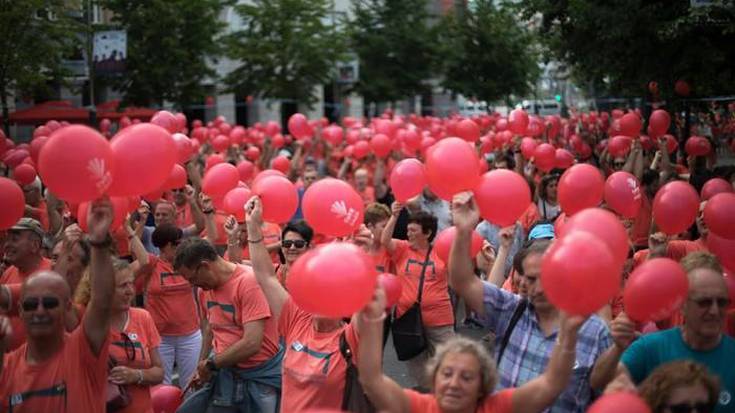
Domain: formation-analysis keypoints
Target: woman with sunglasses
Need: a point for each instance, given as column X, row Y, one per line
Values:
column 681, row 387
column 295, row 241
column 134, row 358
column 314, row 370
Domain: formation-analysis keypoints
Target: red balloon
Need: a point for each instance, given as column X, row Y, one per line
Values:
column 605, row 226
column 630, row 125
column 361, row 149
column 166, row 120
column 451, row 167
column 719, row 215
column 468, row 130
column 655, row 289
column 333, row 280
column 381, row 145
column 281, row 163
column 528, row 147
column 501, row 124
column 443, row 243
column 246, row 170
column 165, row 398
column 184, row 149
column 518, row 121
column 279, row 198
column 536, row 127
column 619, row 146
column 715, row 186
column 580, row 261
column 580, row 187
column 25, row 174
column 332, row 207
column 502, row 196
column 272, row 128
column 671, row 143
column 220, row 179
column 41, row 131
column 545, row 157
column 682, row 88
column 144, row 156
column 407, row 179
column 278, row 141
column 413, row 141
column 675, row 207
column 252, row 153
column 392, row 287
column 76, row 164
column 697, row 146
column 723, row 248
column 12, row 203
column 234, row 202
column 213, row 160
column 267, row 172
column 220, row 143
column 564, row 159
column 623, row 194
column 298, row 126
column 177, row 179
column 333, row 134
column 15, row 157
column 180, row 121
column 659, row 122
column 619, row 402
column 35, row 148
column 120, row 207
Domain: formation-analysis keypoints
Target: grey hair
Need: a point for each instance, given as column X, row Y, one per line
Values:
column 463, row 345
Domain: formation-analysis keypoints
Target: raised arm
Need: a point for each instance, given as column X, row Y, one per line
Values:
column 385, row 393
column 381, row 189
column 55, row 220
column 465, row 215
column 234, row 249
column 607, row 366
column 136, row 245
column 497, row 273
column 261, row 259
column 97, row 317
column 539, row 393
column 386, row 238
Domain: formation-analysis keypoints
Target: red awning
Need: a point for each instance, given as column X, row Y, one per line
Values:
column 111, row 110
column 53, row 110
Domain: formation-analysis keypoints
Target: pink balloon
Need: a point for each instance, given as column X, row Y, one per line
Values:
column 468, row 130
column 272, row 128
column 407, row 179
column 502, row 196
column 12, row 203
column 715, row 186
column 518, row 121
column 630, row 125
column 333, row 134
column 392, row 287
column 443, row 243
column 528, row 147
column 184, row 149
column 281, row 163
column 220, row 179
column 605, row 226
column 76, row 164
column 234, row 202
column 177, row 179
column 655, row 289
column 412, row 140
column 36, row 145
column 332, row 207
column 623, row 194
column 144, row 156
column 298, row 126
column 580, row 187
column 15, row 157
column 659, row 122
column 719, row 215
column 381, row 145
column 24, row 174
column 564, row 159
column 451, row 167
column 675, row 207
column 545, row 157
column 279, row 198
column 361, row 149
column 246, row 170
column 165, row 398
column 333, row 280
column 166, row 120
column 619, row 146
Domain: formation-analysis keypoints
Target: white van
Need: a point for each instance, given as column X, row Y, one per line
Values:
column 544, row 107
column 468, row 108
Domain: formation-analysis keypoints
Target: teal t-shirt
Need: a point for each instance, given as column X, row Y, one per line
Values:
column 655, row 349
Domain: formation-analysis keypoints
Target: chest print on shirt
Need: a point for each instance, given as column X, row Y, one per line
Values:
column 412, row 262
column 224, row 307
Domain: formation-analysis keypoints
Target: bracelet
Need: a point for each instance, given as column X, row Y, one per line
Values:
column 255, row 241
column 140, row 377
column 373, row 320
column 105, row 243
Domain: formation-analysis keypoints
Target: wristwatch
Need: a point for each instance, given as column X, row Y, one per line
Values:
column 210, row 363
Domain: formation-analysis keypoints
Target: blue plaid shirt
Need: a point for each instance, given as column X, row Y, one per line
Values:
column 529, row 349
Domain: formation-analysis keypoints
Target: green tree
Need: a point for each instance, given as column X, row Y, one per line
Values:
column 486, row 53
column 169, row 46
column 35, row 37
column 395, row 41
column 620, row 46
column 285, row 48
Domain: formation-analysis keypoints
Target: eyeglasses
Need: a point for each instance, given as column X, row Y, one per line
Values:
column 31, row 303
column 688, row 408
column 706, row 303
column 297, row 243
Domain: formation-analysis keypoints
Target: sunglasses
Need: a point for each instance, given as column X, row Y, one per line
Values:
column 31, row 303
column 688, row 408
column 706, row 303
column 298, row 243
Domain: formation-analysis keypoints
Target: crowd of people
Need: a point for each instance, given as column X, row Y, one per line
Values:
column 182, row 303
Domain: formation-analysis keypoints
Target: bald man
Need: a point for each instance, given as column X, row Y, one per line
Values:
column 54, row 371
column 362, row 180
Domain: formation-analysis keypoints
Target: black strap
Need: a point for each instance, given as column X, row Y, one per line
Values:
column 344, row 348
column 520, row 308
column 423, row 271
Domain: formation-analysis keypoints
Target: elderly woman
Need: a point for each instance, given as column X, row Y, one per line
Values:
column 462, row 373
column 681, row 387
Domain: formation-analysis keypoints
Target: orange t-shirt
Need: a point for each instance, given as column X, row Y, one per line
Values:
column 642, row 223
column 74, row 380
column 170, row 300
column 500, row 402
column 676, row 250
column 436, row 307
column 183, row 216
column 143, row 337
column 313, row 367
column 234, row 304
column 12, row 275
column 381, row 258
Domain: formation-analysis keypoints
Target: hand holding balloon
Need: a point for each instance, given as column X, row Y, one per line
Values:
column 465, row 212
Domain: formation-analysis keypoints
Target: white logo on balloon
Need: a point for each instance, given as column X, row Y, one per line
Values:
column 348, row 215
column 101, row 176
column 633, row 184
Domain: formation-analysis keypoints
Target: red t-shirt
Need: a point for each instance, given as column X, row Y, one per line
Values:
column 234, row 304
column 436, row 307
column 12, row 275
column 642, row 223
column 74, row 380
column 500, row 402
column 381, row 258
column 313, row 367
column 143, row 337
column 170, row 299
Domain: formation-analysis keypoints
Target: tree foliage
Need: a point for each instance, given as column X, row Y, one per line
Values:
column 169, row 46
column 396, row 45
column 622, row 45
column 486, row 53
column 285, row 48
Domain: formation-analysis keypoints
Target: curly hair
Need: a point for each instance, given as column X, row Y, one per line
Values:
column 463, row 345
column 657, row 388
column 701, row 259
column 375, row 213
column 83, row 293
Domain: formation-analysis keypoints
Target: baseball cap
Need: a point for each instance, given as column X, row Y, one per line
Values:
column 29, row 224
column 541, row 231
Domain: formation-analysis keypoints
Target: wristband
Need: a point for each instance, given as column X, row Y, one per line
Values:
column 105, row 243
column 140, row 376
column 373, row 320
column 255, row 241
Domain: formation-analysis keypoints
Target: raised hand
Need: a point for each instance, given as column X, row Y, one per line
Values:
column 232, row 228
column 623, row 331
column 506, row 236
column 396, row 208
column 465, row 213
column 254, row 211
column 190, row 193
column 99, row 219
column 205, row 203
